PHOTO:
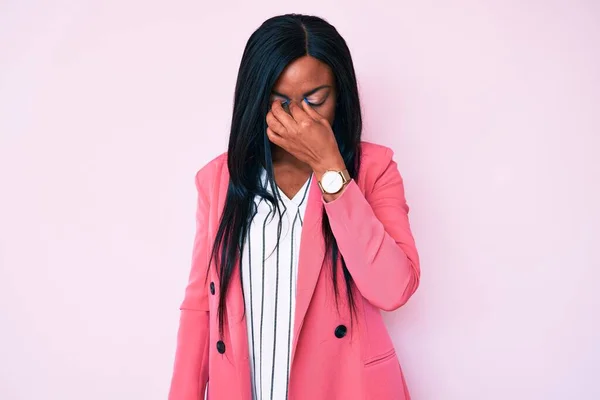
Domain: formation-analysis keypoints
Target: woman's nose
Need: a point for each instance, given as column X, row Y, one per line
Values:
column 286, row 105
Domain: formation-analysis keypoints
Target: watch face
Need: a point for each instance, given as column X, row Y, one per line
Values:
column 332, row 182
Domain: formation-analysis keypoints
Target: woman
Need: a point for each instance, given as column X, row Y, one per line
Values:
column 302, row 236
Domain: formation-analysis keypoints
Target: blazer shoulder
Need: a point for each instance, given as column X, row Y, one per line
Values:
column 375, row 157
column 207, row 174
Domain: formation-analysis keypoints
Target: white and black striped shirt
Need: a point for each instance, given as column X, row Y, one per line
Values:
column 269, row 274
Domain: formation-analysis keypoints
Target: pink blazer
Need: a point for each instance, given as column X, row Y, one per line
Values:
column 331, row 358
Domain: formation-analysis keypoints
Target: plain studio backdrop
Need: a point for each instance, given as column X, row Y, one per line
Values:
column 108, row 108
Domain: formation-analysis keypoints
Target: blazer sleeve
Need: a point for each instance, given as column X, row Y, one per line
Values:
column 190, row 372
column 375, row 239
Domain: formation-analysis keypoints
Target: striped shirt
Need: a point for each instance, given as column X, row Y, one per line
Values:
column 269, row 274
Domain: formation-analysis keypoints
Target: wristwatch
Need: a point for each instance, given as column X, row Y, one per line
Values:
column 333, row 182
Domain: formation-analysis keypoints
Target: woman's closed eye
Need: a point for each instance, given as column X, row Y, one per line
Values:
column 315, row 100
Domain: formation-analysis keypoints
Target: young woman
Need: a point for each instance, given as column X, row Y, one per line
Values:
column 302, row 236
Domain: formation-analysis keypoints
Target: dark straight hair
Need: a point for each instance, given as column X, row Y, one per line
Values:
column 275, row 44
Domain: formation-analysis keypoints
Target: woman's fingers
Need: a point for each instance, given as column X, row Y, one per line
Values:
column 312, row 113
column 274, row 124
column 274, row 137
column 298, row 113
column 284, row 118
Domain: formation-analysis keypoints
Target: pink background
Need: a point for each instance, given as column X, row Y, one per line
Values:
column 107, row 109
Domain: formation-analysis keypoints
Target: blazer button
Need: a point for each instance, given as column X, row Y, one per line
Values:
column 340, row 331
column 221, row 346
column 212, row 288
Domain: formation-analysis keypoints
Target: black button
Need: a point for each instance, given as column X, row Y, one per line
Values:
column 221, row 346
column 340, row 331
column 212, row 288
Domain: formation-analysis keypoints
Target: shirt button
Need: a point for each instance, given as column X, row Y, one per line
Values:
column 212, row 288
column 340, row 331
column 221, row 346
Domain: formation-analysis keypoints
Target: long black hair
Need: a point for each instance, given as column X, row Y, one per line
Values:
column 275, row 44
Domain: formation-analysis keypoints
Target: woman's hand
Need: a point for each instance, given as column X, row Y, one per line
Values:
column 306, row 135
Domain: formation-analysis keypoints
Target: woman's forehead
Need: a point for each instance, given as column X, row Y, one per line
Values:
column 304, row 74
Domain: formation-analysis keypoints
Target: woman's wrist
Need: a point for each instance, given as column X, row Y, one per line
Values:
column 334, row 162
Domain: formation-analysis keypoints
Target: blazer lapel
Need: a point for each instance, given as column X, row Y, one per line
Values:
column 312, row 253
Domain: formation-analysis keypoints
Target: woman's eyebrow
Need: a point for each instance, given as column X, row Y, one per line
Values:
column 305, row 94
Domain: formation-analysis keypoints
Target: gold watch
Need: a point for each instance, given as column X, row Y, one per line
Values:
column 333, row 182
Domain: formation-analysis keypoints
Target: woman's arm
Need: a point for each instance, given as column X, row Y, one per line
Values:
column 373, row 236
column 375, row 239
column 190, row 372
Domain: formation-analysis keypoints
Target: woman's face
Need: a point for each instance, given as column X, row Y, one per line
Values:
column 310, row 79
